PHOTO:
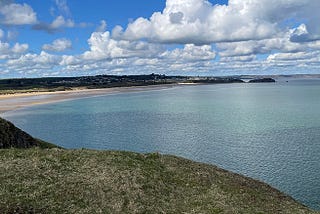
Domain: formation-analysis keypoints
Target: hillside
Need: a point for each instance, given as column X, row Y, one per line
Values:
column 13, row 137
column 56, row 180
column 83, row 181
column 50, row 84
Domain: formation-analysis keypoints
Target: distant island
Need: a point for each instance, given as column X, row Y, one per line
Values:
column 37, row 177
column 261, row 80
column 51, row 84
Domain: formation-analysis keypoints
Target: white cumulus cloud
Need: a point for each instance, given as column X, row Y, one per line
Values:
column 102, row 46
column 102, row 27
column 17, row 14
column 20, row 48
column 34, row 62
column 190, row 53
column 63, row 7
column 8, row 52
column 200, row 22
column 187, row 37
column 57, row 24
column 58, row 45
column 305, row 56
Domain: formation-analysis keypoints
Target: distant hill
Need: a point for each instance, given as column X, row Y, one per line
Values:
column 13, row 137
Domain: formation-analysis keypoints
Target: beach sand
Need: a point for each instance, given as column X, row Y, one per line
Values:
column 20, row 100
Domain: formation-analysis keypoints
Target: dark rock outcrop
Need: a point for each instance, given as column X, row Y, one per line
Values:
column 13, row 137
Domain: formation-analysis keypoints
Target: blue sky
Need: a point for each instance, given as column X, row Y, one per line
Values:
column 187, row 37
column 115, row 12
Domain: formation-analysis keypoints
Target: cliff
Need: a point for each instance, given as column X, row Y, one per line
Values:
column 56, row 180
column 13, row 137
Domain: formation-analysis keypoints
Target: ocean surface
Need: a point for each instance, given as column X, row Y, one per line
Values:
column 267, row 131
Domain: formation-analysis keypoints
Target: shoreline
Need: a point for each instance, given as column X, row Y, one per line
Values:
column 11, row 102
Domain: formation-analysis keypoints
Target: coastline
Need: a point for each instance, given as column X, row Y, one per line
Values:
column 10, row 102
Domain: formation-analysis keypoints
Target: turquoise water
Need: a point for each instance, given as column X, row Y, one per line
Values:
column 270, row 132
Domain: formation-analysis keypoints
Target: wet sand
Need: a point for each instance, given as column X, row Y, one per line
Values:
column 15, row 101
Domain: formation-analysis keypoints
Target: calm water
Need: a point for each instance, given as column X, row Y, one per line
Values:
column 266, row 131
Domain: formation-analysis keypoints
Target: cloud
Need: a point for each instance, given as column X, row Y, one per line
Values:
column 102, row 46
column 1, row 34
column 110, row 56
column 12, row 35
column 59, row 23
column 299, row 56
column 113, row 56
column 255, row 47
column 301, row 34
column 58, row 45
column 4, row 49
column 33, row 62
column 102, row 27
column 63, row 7
column 200, row 22
column 282, row 43
column 20, row 48
column 176, row 18
column 8, row 52
column 188, row 37
column 232, row 59
column 190, row 53
column 17, row 14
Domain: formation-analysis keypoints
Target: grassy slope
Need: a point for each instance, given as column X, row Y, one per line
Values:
column 84, row 181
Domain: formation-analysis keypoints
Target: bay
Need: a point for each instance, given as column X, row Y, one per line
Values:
column 269, row 132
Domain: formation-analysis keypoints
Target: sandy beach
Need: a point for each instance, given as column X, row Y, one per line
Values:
column 20, row 100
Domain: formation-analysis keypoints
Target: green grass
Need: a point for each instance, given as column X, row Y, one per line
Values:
column 83, row 181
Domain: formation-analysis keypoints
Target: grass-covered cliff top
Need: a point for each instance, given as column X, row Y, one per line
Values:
column 37, row 180
column 84, row 181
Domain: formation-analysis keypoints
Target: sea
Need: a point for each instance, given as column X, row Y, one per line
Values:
column 267, row 131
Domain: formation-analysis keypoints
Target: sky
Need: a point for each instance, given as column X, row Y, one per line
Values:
column 172, row 37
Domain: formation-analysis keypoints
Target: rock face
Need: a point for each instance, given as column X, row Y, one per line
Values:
column 262, row 80
column 13, row 137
